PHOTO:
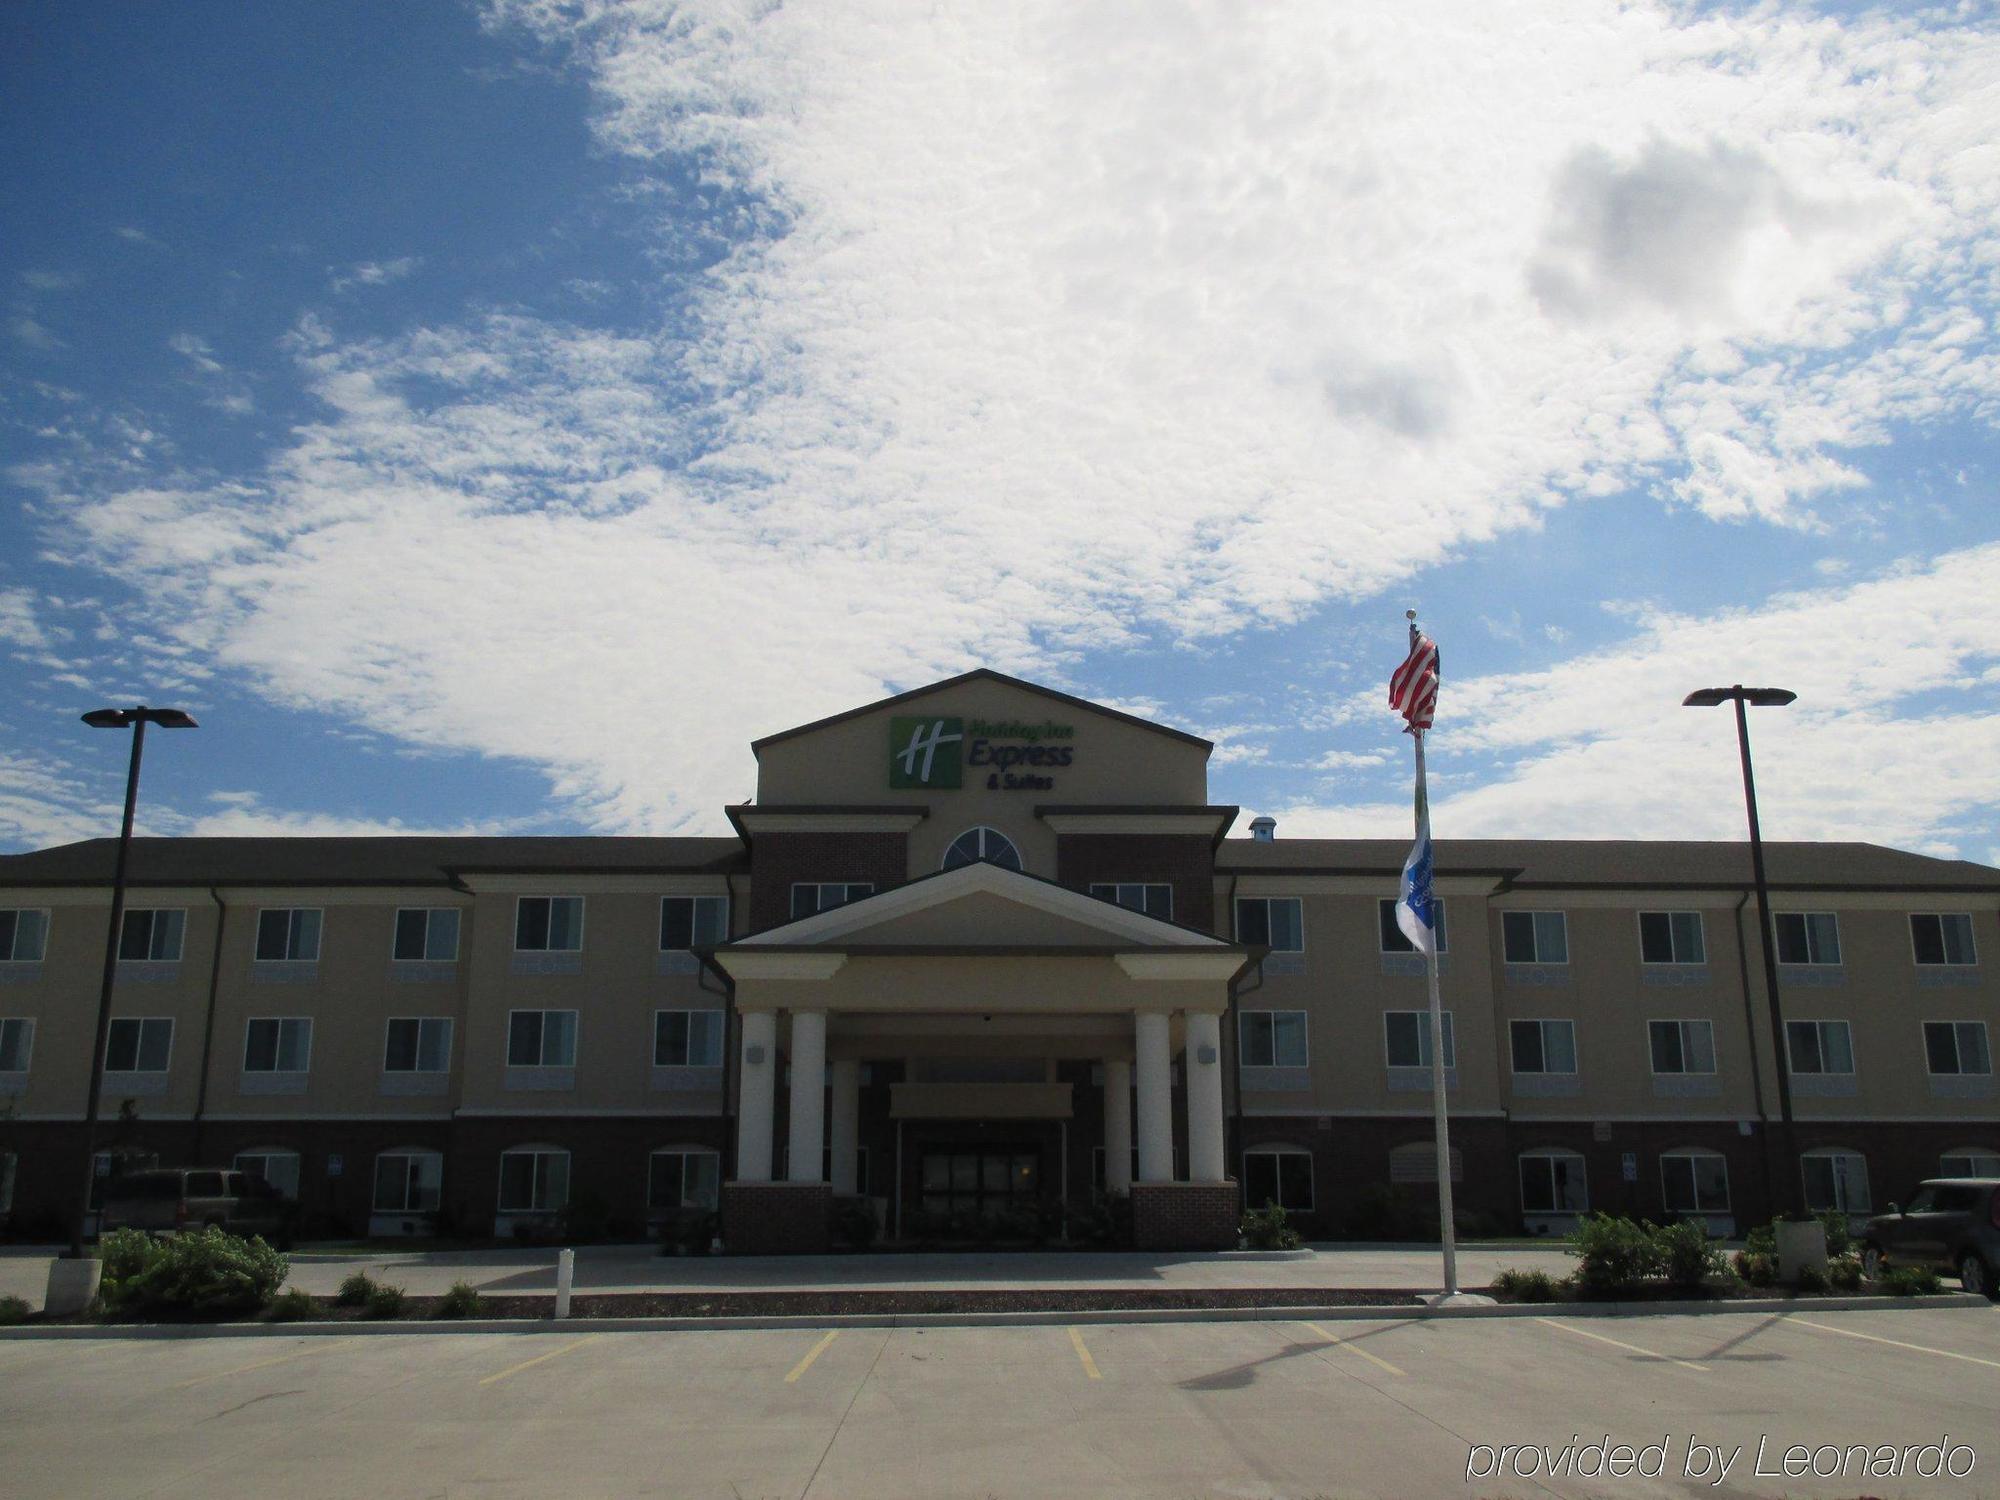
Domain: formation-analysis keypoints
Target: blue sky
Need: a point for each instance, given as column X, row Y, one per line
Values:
column 490, row 418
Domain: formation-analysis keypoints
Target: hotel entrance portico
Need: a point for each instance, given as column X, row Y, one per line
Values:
column 982, row 982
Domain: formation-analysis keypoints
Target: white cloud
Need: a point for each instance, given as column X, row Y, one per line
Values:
column 373, row 272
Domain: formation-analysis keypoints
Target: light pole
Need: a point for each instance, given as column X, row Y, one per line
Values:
column 1763, row 698
column 135, row 719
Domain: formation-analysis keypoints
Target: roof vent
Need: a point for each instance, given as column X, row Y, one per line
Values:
column 1264, row 829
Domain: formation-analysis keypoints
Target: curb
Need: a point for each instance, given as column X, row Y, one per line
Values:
column 1385, row 1312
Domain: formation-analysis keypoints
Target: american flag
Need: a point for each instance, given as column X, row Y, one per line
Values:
column 1413, row 691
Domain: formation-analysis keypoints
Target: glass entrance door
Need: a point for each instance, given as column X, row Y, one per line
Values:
column 981, row 1180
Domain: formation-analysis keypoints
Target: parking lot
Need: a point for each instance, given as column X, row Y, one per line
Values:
column 1244, row 1410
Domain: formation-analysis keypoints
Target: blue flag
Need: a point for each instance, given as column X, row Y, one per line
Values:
column 1415, row 913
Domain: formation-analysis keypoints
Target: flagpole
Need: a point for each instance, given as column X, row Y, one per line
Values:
column 1443, row 1129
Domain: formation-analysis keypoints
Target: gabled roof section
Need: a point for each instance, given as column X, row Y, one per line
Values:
column 1056, row 917
column 981, row 674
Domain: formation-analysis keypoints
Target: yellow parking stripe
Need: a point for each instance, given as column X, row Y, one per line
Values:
column 806, row 1364
column 319, row 1347
column 1849, row 1333
column 1585, row 1333
column 1089, row 1364
column 529, row 1364
column 1353, row 1348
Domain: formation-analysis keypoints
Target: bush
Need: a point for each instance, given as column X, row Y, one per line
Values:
column 1839, row 1238
column 1613, row 1255
column 1527, row 1286
column 292, row 1305
column 386, row 1301
column 355, row 1291
column 586, row 1218
column 14, row 1310
column 1911, row 1281
column 1844, row 1274
column 209, row 1272
column 1265, row 1229
column 1763, row 1240
column 462, row 1301
column 854, row 1222
column 1756, row 1267
column 124, row 1253
column 1687, row 1255
column 690, row 1232
column 1811, row 1279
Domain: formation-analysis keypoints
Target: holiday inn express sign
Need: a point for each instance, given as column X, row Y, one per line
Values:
column 933, row 752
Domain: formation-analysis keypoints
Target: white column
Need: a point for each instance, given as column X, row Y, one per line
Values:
column 846, row 1127
column 1204, row 1098
column 1156, row 1098
column 756, row 1096
column 808, row 1095
column 1117, row 1125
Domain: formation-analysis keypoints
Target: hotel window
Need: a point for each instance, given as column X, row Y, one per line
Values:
column 1956, row 1047
column 687, row 1038
column 1278, row 1174
column 427, row 935
column 1554, row 1182
column 541, row 1039
column 280, row 1169
column 1682, row 1046
column 982, row 846
column 409, row 1182
column 17, row 1043
column 684, row 1177
column 1969, row 1161
column 1835, row 1181
column 152, row 936
column 1942, row 938
column 1408, row 1036
column 1543, row 1046
column 1274, row 1039
column 139, row 1044
column 1274, row 922
column 1393, row 940
column 288, row 934
column 534, row 1180
column 693, row 922
column 1535, row 937
column 548, row 924
column 278, row 1044
column 1807, row 937
column 1694, row 1182
column 1671, row 937
column 1820, row 1046
column 24, row 933
column 417, row 1044
column 810, row 896
column 1155, row 899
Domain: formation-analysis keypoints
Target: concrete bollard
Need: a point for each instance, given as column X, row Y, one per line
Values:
column 72, row 1286
column 565, row 1275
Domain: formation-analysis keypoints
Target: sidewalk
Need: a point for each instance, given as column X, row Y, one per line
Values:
column 641, row 1268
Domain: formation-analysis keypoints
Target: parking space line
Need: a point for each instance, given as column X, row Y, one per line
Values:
column 1082, row 1353
column 1585, row 1333
column 1353, row 1348
column 261, row 1364
column 529, row 1364
column 806, row 1364
column 1874, row 1338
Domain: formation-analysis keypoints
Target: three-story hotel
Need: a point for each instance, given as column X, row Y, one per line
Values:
column 979, row 949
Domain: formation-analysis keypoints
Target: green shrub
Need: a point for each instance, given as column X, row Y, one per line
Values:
column 124, row 1254
column 462, row 1301
column 1911, row 1281
column 1688, row 1256
column 1844, row 1274
column 1762, row 1240
column 1613, row 1255
column 1265, row 1229
column 1839, row 1238
column 1756, row 1267
column 209, row 1272
column 355, row 1291
column 1811, row 1279
column 1527, row 1286
column 292, row 1305
column 14, row 1310
column 386, row 1301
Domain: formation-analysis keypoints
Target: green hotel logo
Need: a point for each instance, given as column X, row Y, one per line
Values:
column 926, row 753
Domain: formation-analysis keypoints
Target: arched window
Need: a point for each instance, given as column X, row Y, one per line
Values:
column 1836, row 1179
column 276, row 1165
column 1279, row 1173
column 1694, row 1181
column 408, row 1180
column 534, row 1180
column 680, row 1177
column 1970, row 1161
column 982, row 844
column 1553, row 1181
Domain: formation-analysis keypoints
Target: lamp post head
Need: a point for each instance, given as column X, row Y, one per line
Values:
column 125, row 718
column 1755, row 697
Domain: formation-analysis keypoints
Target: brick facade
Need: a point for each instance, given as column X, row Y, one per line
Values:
column 1184, row 860
column 1185, row 1215
column 777, row 1218
column 782, row 858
